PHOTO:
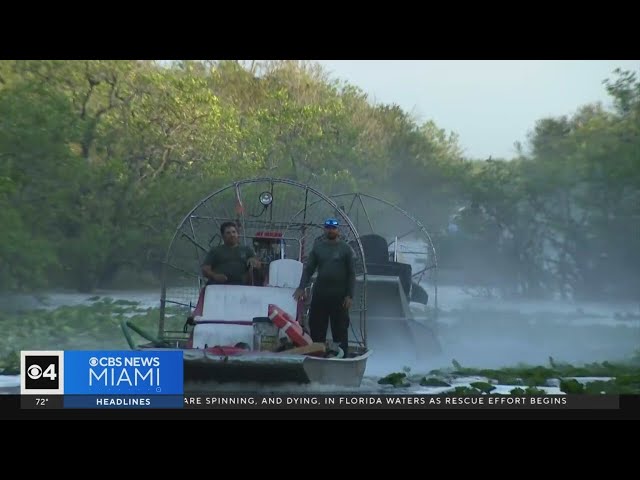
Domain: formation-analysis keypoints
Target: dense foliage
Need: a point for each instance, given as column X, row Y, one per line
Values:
column 99, row 160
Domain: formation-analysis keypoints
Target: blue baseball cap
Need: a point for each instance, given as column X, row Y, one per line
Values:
column 331, row 222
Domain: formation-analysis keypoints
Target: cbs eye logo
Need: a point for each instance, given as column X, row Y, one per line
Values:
column 42, row 372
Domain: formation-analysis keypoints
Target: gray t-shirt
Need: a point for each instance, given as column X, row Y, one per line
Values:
column 230, row 261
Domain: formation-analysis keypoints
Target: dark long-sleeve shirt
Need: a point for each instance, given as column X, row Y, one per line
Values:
column 335, row 264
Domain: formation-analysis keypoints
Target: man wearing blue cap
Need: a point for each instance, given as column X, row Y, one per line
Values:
column 333, row 288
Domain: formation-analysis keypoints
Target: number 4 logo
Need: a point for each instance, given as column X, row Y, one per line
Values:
column 50, row 372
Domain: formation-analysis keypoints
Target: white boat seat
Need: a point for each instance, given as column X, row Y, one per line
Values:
column 228, row 310
column 285, row 272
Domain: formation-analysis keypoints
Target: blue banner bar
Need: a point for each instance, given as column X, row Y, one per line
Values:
column 142, row 372
column 123, row 401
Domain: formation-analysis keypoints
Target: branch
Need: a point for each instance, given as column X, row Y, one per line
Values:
column 163, row 163
column 85, row 102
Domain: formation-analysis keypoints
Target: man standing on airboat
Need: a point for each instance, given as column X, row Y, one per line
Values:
column 333, row 288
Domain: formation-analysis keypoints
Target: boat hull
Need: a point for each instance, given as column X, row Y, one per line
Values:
column 205, row 370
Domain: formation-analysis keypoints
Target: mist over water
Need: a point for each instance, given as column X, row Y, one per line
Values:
column 476, row 332
column 478, row 328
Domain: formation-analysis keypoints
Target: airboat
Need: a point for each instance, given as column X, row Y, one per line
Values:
column 257, row 333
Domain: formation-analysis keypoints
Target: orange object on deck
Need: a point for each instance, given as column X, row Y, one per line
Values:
column 290, row 326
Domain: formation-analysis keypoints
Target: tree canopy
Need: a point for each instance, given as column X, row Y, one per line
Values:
column 99, row 160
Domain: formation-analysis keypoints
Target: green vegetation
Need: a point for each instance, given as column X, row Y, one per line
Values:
column 433, row 382
column 483, row 387
column 94, row 326
column 624, row 379
column 99, row 161
column 397, row 379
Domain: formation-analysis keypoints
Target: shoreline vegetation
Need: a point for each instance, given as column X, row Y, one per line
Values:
column 591, row 379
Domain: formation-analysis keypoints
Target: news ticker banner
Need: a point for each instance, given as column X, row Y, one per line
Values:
column 208, row 401
column 148, row 379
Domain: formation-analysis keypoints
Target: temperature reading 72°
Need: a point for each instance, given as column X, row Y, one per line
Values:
column 41, row 401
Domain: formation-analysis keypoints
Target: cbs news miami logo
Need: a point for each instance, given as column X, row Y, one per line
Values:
column 42, row 372
column 88, row 372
